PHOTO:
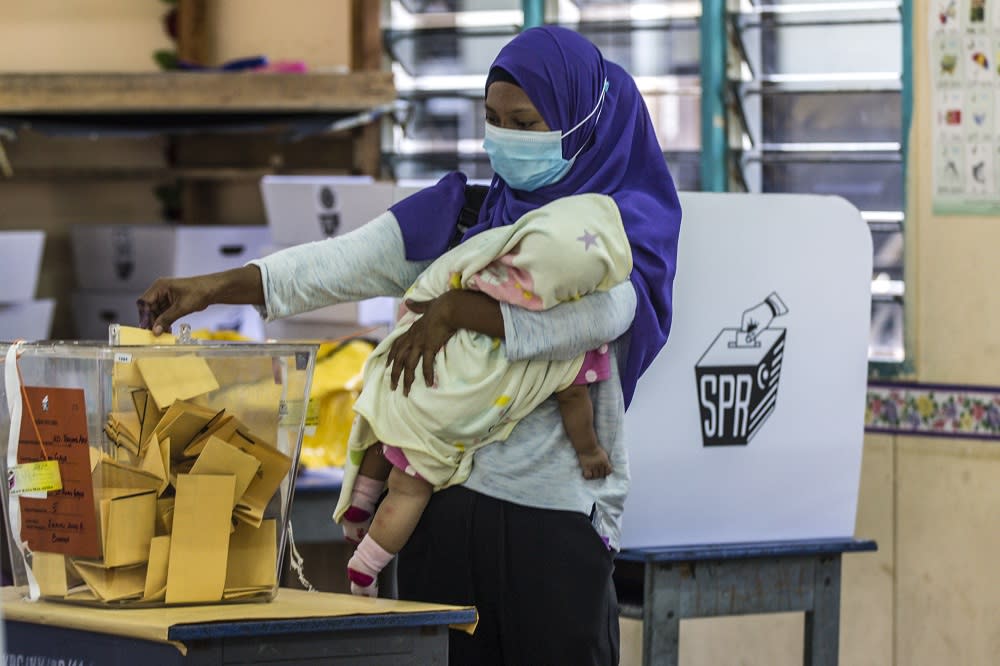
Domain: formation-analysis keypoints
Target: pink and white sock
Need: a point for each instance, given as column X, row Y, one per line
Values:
column 358, row 517
column 365, row 565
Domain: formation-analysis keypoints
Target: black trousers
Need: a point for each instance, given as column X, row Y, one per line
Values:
column 540, row 579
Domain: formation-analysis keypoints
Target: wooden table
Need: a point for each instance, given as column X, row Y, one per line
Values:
column 326, row 630
column 662, row 586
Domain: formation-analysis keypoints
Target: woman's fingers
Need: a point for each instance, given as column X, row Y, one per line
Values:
column 428, row 361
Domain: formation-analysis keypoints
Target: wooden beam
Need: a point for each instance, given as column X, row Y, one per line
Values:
column 188, row 92
column 366, row 36
column 192, row 31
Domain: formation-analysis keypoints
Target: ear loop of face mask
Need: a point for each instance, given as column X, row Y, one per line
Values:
column 597, row 109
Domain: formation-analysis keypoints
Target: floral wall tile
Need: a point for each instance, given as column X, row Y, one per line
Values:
column 934, row 410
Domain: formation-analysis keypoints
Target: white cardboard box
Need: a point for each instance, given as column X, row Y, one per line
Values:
column 130, row 257
column 20, row 260
column 29, row 320
column 94, row 311
column 302, row 209
column 293, row 328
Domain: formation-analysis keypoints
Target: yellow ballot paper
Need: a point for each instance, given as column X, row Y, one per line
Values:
column 125, row 372
column 50, row 572
column 220, row 457
column 164, row 516
column 148, row 413
column 199, row 544
column 274, row 466
column 128, row 523
column 112, row 584
column 182, row 422
column 156, row 571
column 131, row 335
column 224, row 427
column 112, row 475
column 155, row 462
column 253, row 554
column 176, row 378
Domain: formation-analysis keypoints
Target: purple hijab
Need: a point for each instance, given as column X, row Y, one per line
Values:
column 563, row 73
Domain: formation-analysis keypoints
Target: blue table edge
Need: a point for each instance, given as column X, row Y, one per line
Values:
column 242, row 628
column 732, row 551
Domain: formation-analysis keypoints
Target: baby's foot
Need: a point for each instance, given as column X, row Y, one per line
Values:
column 362, row 584
column 595, row 463
column 356, row 523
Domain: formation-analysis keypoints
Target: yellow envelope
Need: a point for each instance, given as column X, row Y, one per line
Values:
column 153, row 463
column 112, row 584
column 274, row 466
column 49, row 570
column 148, row 413
column 219, row 457
column 253, row 555
column 122, row 478
column 132, row 335
column 125, row 372
column 164, row 515
column 170, row 378
column 156, row 571
column 181, row 423
column 247, row 593
column 199, row 543
column 128, row 523
column 223, row 428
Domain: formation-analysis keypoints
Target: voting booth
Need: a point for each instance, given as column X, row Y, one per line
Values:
column 748, row 426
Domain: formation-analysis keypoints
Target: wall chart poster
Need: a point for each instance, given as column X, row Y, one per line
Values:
column 965, row 80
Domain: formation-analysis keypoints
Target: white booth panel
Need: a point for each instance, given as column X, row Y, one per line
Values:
column 735, row 439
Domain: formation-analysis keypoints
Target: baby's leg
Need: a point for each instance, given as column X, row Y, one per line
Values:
column 368, row 486
column 578, row 419
column 394, row 522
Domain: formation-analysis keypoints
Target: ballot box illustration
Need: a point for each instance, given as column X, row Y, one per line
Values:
column 738, row 375
column 738, row 385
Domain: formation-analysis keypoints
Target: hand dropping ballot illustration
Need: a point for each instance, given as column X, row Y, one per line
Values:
column 738, row 375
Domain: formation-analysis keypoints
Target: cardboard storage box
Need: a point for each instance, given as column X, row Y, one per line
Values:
column 20, row 261
column 30, row 320
column 293, row 328
column 149, row 473
column 94, row 311
column 131, row 257
column 302, row 209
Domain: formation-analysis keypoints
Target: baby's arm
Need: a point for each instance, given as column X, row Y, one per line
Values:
column 577, row 413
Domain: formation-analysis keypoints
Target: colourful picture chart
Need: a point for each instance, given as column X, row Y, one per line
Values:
column 65, row 521
column 965, row 79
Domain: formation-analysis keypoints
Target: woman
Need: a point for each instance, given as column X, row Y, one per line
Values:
column 526, row 538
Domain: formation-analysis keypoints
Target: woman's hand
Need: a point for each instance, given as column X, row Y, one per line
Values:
column 422, row 341
column 169, row 299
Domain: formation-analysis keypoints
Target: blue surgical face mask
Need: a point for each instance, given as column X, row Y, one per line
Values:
column 529, row 160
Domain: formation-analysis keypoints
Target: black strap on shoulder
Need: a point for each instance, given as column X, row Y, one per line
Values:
column 469, row 215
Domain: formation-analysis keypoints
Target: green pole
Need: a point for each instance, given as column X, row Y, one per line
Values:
column 534, row 13
column 714, row 160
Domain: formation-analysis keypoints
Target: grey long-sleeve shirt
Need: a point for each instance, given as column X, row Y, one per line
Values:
column 536, row 466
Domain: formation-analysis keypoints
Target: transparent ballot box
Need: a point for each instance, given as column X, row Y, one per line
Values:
column 144, row 475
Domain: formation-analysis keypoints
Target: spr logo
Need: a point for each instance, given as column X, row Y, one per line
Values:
column 737, row 376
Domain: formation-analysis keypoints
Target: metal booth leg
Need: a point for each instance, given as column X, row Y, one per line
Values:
column 822, row 625
column 661, row 613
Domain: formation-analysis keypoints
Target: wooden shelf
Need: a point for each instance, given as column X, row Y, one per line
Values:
column 126, row 174
column 193, row 92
